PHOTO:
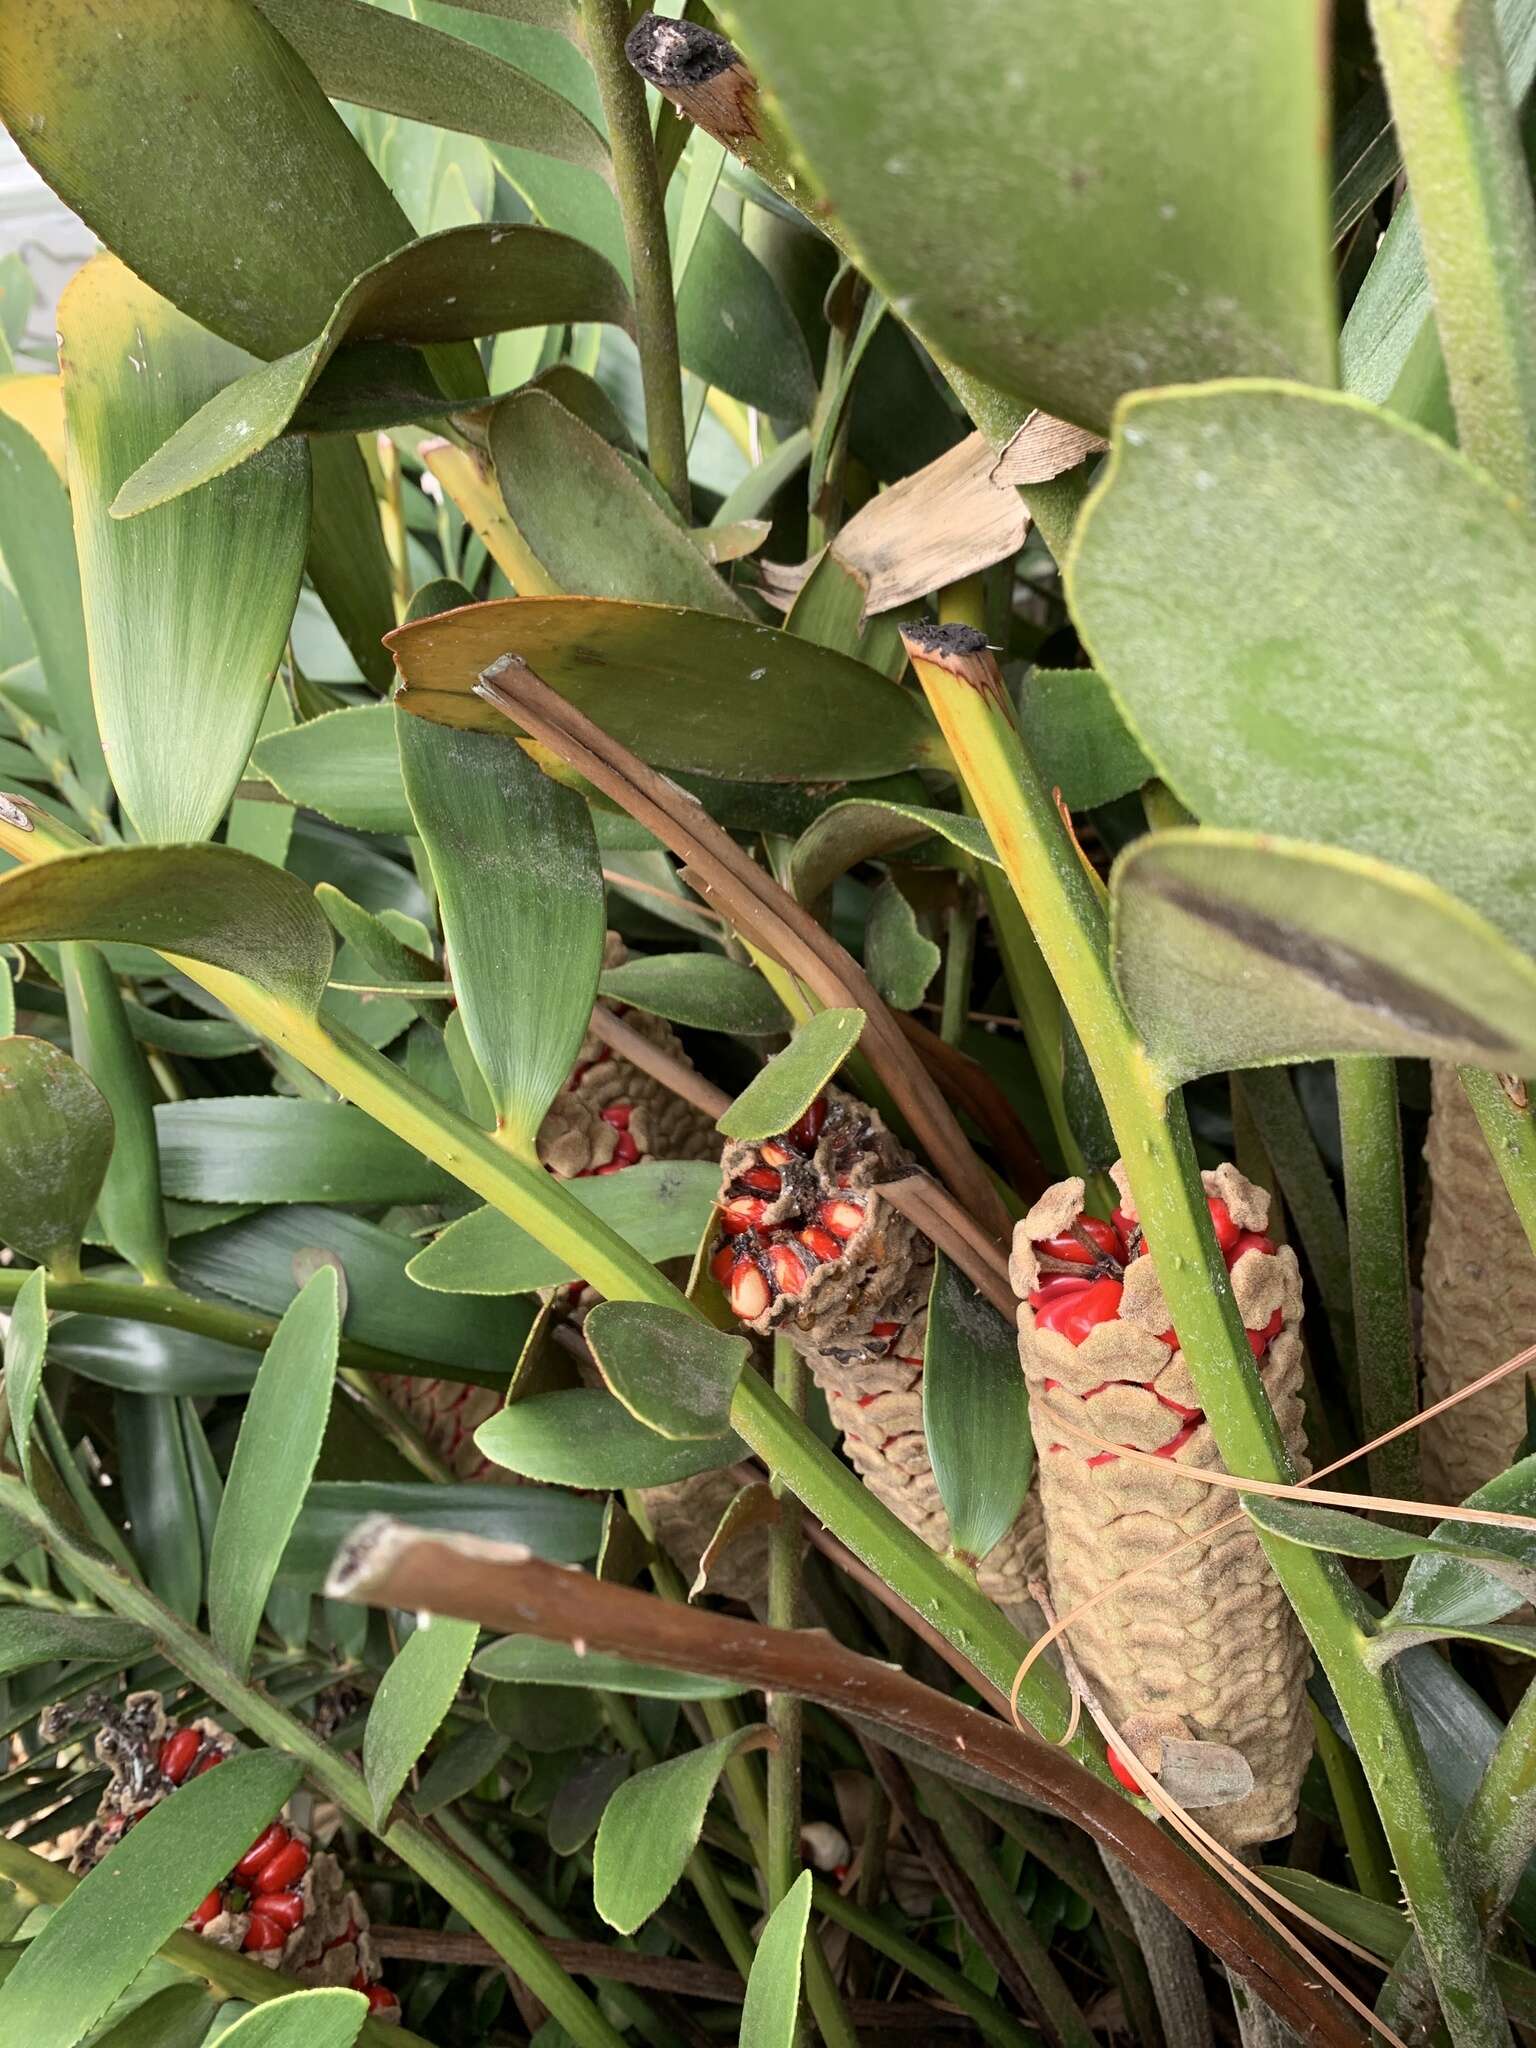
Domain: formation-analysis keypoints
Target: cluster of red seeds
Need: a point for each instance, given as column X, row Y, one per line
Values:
column 264, row 1883
column 1082, row 1282
column 757, row 1262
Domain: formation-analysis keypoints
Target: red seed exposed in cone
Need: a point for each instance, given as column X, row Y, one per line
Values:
column 1121, row 1770
column 380, row 1998
column 261, row 1852
column 210, row 1909
column 842, row 1218
column 211, row 1761
column 742, row 1212
column 1260, row 1340
column 822, row 1243
column 1069, row 1247
column 1126, row 1227
column 178, row 1753
column 763, row 1180
column 790, row 1268
column 720, row 1265
column 775, row 1154
column 748, row 1291
column 1055, row 1286
column 282, row 1871
column 286, row 1908
column 618, row 1114
column 804, row 1132
column 263, row 1933
column 1248, row 1241
column 1227, row 1232
column 1073, row 1315
column 626, row 1152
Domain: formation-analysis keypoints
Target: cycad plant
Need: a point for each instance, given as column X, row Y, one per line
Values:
column 763, row 771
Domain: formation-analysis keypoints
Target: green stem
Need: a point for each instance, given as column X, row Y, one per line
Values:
column 1371, row 1133
column 1467, row 174
column 785, row 1713
column 1155, row 1143
column 829, row 449
column 1511, row 1136
column 193, row 1655
column 967, row 1845
column 228, row 1974
column 1309, row 1195
column 1363, row 1838
column 959, row 953
column 637, row 181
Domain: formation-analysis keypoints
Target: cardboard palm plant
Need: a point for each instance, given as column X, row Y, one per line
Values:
column 751, row 765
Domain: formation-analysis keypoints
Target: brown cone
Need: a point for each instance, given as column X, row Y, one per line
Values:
column 1479, row 1302
column 1206, row 1649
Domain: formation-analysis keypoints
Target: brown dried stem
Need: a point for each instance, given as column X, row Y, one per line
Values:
column 758, row 908
column 388, row 1564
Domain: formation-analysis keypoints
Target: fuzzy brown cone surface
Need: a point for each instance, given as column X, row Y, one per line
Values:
column 1479, row 1301
column 1206, row 1649
column 814, row 1252
column 285, row 1904
column 608, row 1116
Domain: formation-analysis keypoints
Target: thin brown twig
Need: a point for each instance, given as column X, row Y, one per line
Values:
column 757, row 907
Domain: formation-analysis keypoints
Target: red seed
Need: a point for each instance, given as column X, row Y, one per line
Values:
column 380, row 1998
column 842, row 1218
column 626, row 1151
column 822, row 1243
column 1227, row 1232
column 1127, row 1226
column 806, row 1129
column 1249, row 1241
column 1057, row 1285
column 359, row 1981
column 743, row 1212
column 178, row 1753
column 613, row 1166
column 1121, row 1770
column 720, row 1265
column 210, row 1909
column 763, row 1179
column 263, row 1933
column 283, row 1871
column 211, row 1761
column 775, row 1154
column 1073, row 1315
column 618, row 1114
column 286, row 1908
column 789, row 1268
column 260, row 1853
column 884, row 1330
column 1068, row 1246
column 1260, row 1340
column 748, row 1291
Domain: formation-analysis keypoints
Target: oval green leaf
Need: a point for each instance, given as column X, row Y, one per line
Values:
column 1074, row 734
column 216, row 102
column 975, row 1413
column 520, row 892
column 272, row 1148
column 1237, row 951
column 1177, row 207
column 414, row 1695
column 899, row 958
column 528, row 1660
column 328, row 2017
column 865, row 828
column 651, row 1826
column 793, row 1078
column 32, row 1636
column 660, row 1205
column 56, row 1138
column 345, row 765
column 465, row 282
column 186, row 612
column 137, row 1896
column 672, row 1371
column 702, row 990
column 1303, row 693
column 770, row 2018
column 683, row 689
column 275, row 1455
column 584, row 1437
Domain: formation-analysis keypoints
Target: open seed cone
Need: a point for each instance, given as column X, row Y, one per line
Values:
column 822, row 1258
column 1479, row 1302
column 1206, row 1649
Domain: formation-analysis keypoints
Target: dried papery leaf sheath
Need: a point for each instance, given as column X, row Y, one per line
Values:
column 1211, row 1651
column 283, row 1904
column 1479, row 1301
column 813, row 1251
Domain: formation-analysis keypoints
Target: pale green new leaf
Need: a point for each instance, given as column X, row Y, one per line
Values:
column 770, row 2017
column 793, row 1078
column 651, row 1827
column 408, row 1709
